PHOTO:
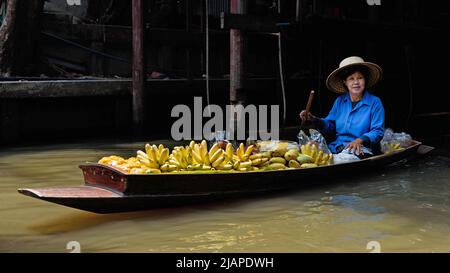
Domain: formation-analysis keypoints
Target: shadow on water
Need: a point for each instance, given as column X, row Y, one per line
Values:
column 81, row 220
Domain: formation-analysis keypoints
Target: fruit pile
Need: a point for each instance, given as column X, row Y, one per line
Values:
column 196, row 157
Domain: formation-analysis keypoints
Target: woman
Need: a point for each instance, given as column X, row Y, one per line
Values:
column 357, row 117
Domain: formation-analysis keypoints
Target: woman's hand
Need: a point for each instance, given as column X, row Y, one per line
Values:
column 355, row 146
column 307, row 116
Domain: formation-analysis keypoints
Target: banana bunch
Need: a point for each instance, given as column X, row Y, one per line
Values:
column 153, row 157
column 317, row 156
column 392, row 147
column 243, row 160
column 260, row 160
column 220, row 159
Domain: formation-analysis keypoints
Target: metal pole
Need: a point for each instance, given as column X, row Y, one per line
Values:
column 138, row 67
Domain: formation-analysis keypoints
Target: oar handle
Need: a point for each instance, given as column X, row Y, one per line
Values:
column 310, row 99
column 308, row 105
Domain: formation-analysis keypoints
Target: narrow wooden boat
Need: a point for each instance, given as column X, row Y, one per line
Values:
column 108, row 190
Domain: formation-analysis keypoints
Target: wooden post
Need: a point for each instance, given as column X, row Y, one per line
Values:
column 237, row 68
column 188, row 30
column 237, row 43
column 138, row 73
column 19, row 36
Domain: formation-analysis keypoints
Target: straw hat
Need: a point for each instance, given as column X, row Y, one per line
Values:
column 335, row 82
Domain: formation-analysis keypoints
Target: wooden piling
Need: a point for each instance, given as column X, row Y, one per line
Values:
column 139, row 75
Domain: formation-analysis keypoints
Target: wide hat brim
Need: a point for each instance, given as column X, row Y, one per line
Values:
column 335, row 82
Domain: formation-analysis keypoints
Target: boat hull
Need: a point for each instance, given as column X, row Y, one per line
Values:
column 108, row 190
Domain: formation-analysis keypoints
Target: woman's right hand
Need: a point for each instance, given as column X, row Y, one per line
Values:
column 304, row 116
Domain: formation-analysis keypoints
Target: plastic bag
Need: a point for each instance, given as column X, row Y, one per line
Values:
column 395, row 141
column 344, row 157
column 222, row 138
column 315, row 138
column 278, row 147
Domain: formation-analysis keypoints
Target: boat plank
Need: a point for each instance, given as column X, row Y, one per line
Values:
column 69, row 192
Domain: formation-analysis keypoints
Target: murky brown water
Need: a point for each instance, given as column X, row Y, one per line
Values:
column 405, row 208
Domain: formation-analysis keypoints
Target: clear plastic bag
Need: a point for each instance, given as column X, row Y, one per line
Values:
column 315, row 138
column 344, row 157
column 276, row 145
column 222, row 138
column 394, row 141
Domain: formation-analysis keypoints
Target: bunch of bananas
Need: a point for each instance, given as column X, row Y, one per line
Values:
column 391, row 147
column 131, row 165
column 312, row 155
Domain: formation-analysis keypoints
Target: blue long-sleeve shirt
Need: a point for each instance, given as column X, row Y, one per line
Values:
column 365, row 120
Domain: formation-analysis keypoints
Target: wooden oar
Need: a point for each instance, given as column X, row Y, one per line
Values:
column 308, row 106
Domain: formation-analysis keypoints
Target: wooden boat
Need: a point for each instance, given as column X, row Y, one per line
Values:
column 108, row 190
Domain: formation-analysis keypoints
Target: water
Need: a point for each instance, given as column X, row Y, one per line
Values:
column 405, row 208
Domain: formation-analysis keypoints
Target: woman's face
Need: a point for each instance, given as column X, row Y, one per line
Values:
column 355, row 83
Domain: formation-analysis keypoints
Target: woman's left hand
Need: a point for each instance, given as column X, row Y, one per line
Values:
column 355, row 146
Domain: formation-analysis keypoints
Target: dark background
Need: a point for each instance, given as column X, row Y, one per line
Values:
column 406, row 38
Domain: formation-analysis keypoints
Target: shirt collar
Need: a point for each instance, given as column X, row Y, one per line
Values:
column 365, row 99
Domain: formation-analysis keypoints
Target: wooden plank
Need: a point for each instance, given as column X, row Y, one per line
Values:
column 139, row 72
column 69, row 192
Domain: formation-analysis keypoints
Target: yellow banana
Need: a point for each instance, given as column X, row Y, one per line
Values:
column 308, row 165
column 155, row 152
column 152, row 171
column 204, row 147
column 206, row 167
column 147, row 162
column 213, row 149
column 174, row 162
column 141, row 153
column 188, row 156
column 164, row 156
column 218, row 161
column 330, row 159
column 150, row 153
column 160, row 148
column 255, row 156
column 196, row 157
column 240, row 150
column 265, row 164
column 278, row 160
column 229, row 152
column 319, row 157
column 245, row 164
column 294, row 164
column 164, row 167
column 307, row 149
column 225, row 167
column 191, row 144
column 216, row 155
column 257, row 161
column 249, row 150
column 206, row 159
column 236, row 164
column 324, row 160
column 276, row 166
column 291, row 154
column 303, row 158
